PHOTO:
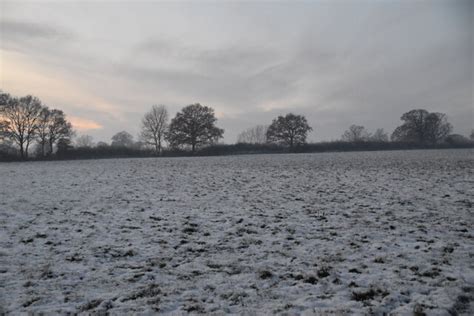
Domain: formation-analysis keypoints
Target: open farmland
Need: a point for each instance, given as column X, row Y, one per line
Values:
column 367, row 232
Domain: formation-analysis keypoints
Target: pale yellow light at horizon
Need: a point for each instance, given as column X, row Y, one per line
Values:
column 21, row 76
column 82, row 124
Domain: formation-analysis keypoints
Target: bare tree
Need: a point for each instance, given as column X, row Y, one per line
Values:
column 59, row 128
column 52, row 125
column 254, row 135
column 379, row 136
column 421, row 126
column 195, row 126
column 6, row 145
column 4, row 124
column 19, row 119
column 154, row 126
column 102, row 145
column 122, row 139
column 3, row 128
column 355, row 133
column 437, row 127
column 290, row 130
column 84, row 141
column 43, row 130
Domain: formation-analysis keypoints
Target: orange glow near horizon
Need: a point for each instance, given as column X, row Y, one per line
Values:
column 82, row 124
column 22, row 76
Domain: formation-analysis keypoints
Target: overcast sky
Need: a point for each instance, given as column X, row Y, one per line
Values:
column 337, row 62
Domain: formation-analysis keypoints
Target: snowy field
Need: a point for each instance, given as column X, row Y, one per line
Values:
column 336, row 233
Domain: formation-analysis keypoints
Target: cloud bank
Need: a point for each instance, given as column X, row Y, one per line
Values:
column 339, row 63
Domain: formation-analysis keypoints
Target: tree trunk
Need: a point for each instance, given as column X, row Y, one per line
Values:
column 43, row 145
column 51, row 147
column 21, row 143
column 26, row 149
column 22, row 152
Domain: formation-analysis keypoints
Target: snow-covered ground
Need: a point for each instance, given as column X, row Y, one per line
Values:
column 342, row 233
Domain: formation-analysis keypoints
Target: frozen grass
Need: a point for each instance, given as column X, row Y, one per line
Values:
column 369, row 232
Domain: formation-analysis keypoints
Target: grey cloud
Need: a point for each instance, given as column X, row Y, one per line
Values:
column 338, row 88
column 335, row 65
column 31, row 31
column 236, row 59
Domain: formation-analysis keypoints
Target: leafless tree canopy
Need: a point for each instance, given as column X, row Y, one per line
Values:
column 59, row 128
column 4, row 124
column 122, row 139
column 355, row 133
column 43, row 130
column 379, row 136
column 25, row 120
column 19, row 120
column 52, row 126
column 84, row 141
column 194, row 126
column 253, row 135
column 421, row 126
column 154, row 127
column 3, row 128
column 290, row 130
column 102, row 145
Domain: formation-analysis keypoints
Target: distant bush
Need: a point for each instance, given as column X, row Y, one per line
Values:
column 8, row 156
column 456, row 140
column 8, row 152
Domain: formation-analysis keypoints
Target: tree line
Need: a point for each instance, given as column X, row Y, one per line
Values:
column 26, row 122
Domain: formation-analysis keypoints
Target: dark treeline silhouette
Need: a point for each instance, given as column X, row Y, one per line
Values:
column 193, row 127
column 25, row 121
column 30, row 130
column 329, row 146
column 290, row 130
